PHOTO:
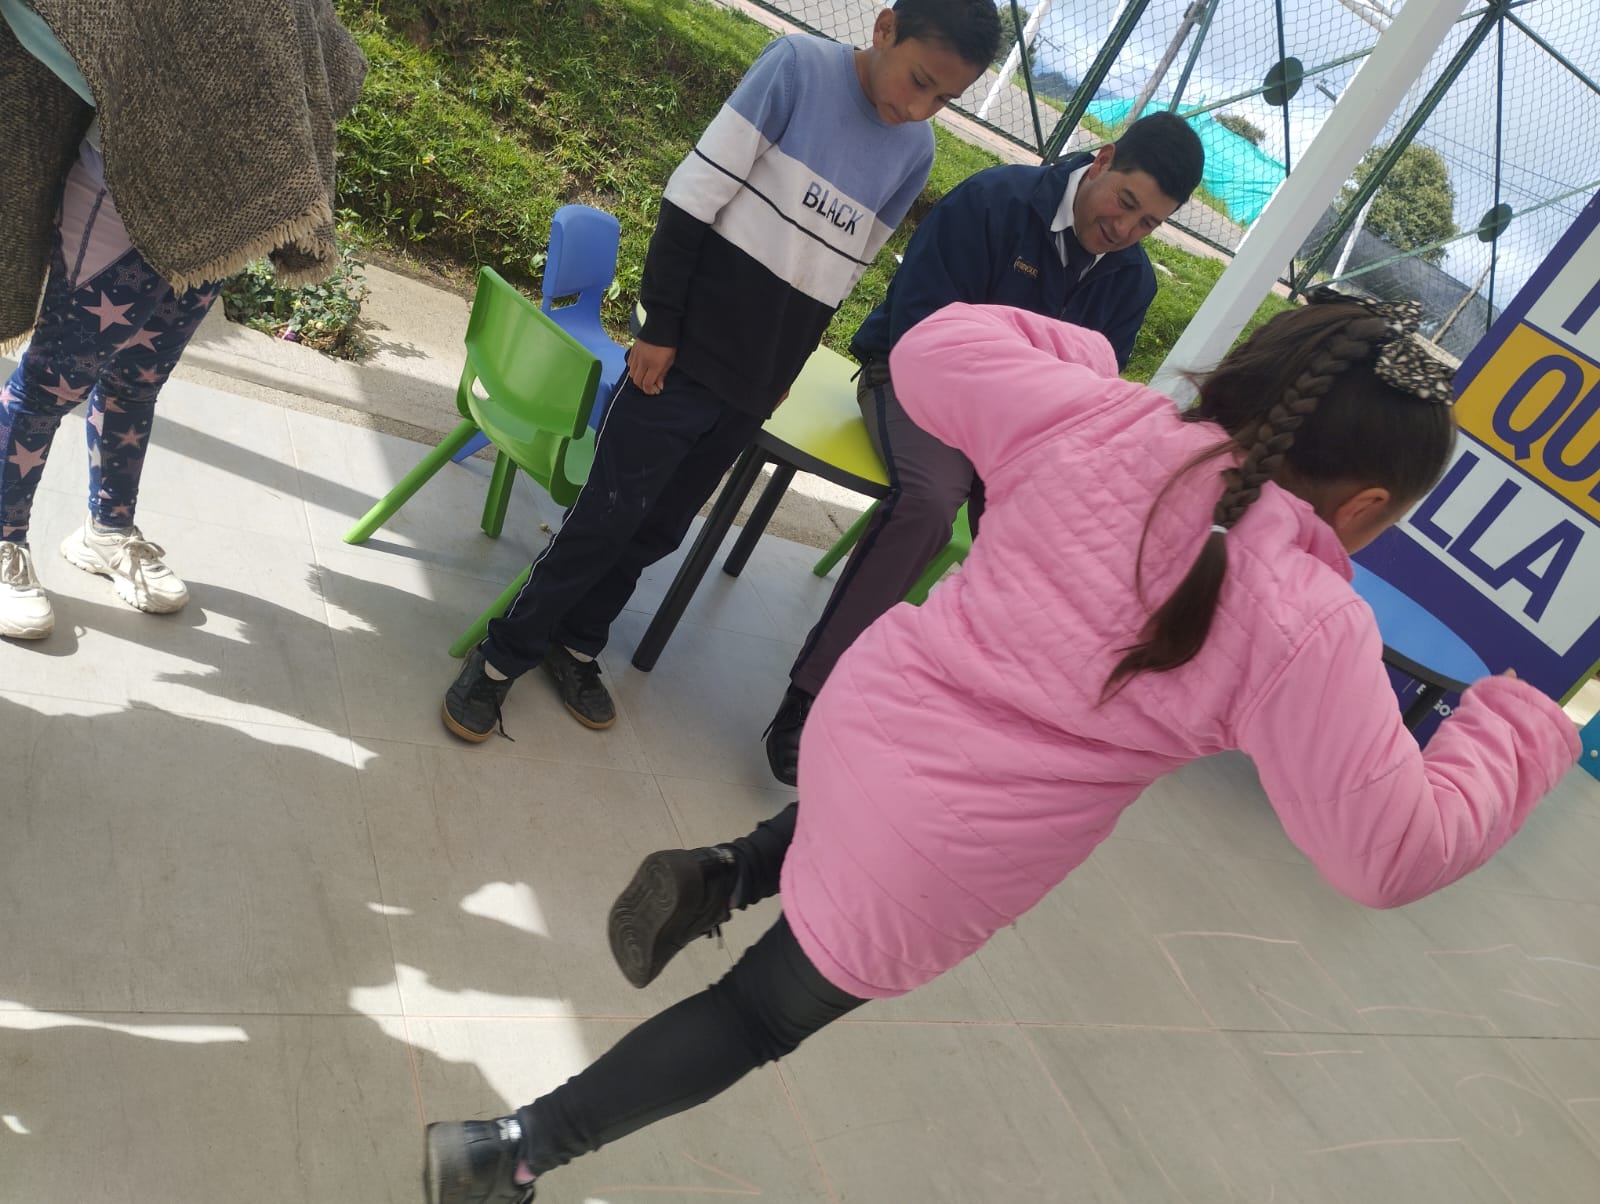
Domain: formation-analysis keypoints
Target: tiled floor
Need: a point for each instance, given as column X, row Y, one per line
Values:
column 262, row 917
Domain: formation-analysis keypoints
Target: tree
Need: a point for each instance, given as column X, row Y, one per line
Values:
column 1415, row 206
column 1051, row 83
column 1243, row 126
column 1011, row 23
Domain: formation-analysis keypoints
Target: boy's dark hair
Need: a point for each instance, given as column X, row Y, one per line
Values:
column 1300, row 397
column 1163, row 145
column 969, row 27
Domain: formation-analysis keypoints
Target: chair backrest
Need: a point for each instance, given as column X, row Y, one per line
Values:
column 581, row 260
column 537, row 377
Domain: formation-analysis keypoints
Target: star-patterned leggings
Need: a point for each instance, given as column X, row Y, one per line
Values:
column 110, row 331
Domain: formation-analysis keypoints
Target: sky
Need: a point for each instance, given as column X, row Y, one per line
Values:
column 1548, row 134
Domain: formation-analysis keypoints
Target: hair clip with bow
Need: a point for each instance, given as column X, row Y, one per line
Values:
column 1405, row 362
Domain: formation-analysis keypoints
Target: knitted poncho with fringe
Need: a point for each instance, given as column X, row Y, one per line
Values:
column 217, row 122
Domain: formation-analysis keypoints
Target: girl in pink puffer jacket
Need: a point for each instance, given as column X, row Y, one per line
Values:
column 1149, row 589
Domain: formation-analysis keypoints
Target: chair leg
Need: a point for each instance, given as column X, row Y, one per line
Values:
column 494, row 506
column 918, row 593
column 410, row 483
column 472, row 636
column 845, row 542
column 474, row 445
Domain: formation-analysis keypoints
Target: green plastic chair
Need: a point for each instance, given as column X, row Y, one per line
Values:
column 526, row 384
column 529, row 386
column 953, row 553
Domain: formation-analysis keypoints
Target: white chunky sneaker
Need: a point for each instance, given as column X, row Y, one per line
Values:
column 25, row 612
column 132, row 562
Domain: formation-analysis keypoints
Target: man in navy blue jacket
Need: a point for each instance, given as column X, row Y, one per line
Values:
column 1060, row 240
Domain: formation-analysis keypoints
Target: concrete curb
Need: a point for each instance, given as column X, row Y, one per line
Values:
column 416, row 331
column 408, row 384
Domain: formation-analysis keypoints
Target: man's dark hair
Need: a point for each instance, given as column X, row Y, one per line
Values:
column 1163, row 145
column 969, row 27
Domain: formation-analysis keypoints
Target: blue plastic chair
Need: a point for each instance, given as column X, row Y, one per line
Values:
column 581, row 262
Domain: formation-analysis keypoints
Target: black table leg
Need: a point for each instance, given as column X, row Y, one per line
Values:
column 1424, row 702
column 704, row 549
column 760, row 516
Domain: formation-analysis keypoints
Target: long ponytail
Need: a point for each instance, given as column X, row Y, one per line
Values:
column 1177, row 630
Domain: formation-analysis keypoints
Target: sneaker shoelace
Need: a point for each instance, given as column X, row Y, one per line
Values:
column 724, row 908
column 139, row 560
column 16, row 569
column 588, row 673
column 501, row 725
column 793, row 710
column 135, row 552
column 490, row 686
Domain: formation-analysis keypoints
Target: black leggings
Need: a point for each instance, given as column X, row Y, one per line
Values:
column 772, row 1000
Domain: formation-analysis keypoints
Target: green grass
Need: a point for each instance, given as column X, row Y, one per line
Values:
column 953, row 162
column 1178, row 295
column 481, row 117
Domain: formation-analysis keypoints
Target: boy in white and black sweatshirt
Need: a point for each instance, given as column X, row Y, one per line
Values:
column 764, row 229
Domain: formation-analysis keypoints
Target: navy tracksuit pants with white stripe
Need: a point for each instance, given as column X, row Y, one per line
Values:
column 658, row 460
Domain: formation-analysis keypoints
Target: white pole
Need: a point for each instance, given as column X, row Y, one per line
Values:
column 1355, row 233
column 1361, row 218
column 1375, row 15
column 1399, row 58
column 1015, row 57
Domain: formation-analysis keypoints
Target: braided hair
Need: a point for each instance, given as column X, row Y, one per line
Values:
column 1298, row 399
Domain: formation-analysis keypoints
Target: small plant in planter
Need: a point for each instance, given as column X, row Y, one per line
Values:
column 323, row 316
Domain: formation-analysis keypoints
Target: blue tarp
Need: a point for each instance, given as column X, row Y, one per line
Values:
column 1237, row 171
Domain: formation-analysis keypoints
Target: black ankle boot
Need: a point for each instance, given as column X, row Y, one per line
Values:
column 783, row 736
column 475, row 1162
column 676, row 896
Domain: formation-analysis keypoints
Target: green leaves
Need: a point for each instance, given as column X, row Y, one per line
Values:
column 323, row 316
column 1415, row 206
column 481, row 117
column 1180, row 288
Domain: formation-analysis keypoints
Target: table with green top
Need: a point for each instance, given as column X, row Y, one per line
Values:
column 818, row 429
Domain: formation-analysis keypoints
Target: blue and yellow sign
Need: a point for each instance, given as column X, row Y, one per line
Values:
column 1506, row 549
